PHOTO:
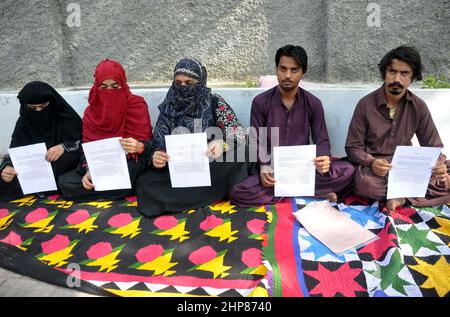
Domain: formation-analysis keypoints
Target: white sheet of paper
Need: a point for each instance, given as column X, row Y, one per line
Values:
column 188, row 163
column 108, row 164
column 411, row 171
column 294, row 170
column 35, row 173
column 334, row 229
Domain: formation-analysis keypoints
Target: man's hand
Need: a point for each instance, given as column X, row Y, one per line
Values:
column 8, row 174
column 266, row 176
column 440, row 172
column 87, row 181
column 322, row 164
column 215, row 149
column 380, row 167
column 131, row 145
column 54, row 153
column 160, row 159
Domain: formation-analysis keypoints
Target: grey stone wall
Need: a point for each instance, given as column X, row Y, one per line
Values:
column 236, row 39
column 354, row 49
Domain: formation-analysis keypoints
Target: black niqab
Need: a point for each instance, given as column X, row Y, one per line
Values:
column 53, row 125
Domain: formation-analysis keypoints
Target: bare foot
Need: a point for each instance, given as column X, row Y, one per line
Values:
column 392, row 204
column 332, row 197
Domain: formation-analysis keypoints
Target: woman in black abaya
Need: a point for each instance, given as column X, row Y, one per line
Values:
column 191, row 106
column 45, row 117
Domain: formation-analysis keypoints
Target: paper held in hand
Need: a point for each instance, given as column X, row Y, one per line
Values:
column 333, row 228
column 294, row 170
column 188, row 163
column 411, row 171
column 35, row 174
column 108, row 164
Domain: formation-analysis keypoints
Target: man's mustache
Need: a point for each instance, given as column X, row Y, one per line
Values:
column 396, row 84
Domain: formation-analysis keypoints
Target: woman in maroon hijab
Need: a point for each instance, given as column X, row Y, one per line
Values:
column 113, row 111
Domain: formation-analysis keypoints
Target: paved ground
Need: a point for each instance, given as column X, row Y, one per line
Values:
column 14, row 285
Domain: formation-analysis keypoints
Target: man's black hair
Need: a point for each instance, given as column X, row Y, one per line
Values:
column 297, row 52
column 405, row 54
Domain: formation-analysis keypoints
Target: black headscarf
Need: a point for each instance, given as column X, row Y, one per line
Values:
column 55, row 124
column 184, row 104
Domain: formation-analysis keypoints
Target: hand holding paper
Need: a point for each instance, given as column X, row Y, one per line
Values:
column 440, row 171
column 294, row 170
column 411, row 171
column 160, row 159
column 188, row 164
column 8, row 174
column 87, row 181
column 35, row 174
column 107, row 164
column 323, row 164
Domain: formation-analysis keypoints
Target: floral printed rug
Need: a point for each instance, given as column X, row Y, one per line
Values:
column 213, row 251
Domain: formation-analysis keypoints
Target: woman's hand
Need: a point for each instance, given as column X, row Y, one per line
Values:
column 215, row 149
column 54, row 153
column 8, row 174
column 87, row 181
column 160, row 159
column 131, row 145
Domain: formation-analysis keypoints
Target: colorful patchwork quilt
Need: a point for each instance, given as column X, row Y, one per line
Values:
column 410, row 258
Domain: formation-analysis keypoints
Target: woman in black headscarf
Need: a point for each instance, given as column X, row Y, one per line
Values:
column 45, row 117
column 190, row 105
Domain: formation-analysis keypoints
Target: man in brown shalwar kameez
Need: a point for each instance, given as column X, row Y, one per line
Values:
column 390, row 117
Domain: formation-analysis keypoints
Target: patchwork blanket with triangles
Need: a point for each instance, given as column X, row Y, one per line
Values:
column 410, row 258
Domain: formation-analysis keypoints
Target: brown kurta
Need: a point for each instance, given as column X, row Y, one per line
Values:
column 373, row 134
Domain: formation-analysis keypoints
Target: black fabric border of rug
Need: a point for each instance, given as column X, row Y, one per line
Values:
column 17, row 261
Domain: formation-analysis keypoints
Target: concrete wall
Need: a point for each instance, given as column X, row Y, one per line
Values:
column 338, row 106
column 354, row 49
column 236, row 39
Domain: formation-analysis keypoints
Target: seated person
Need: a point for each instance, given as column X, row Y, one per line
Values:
column 387, row 118
column 113, row 111
column 299, row 116
column 45, row 117
column 190, row 104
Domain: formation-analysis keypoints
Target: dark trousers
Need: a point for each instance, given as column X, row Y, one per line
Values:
column 71, row 186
